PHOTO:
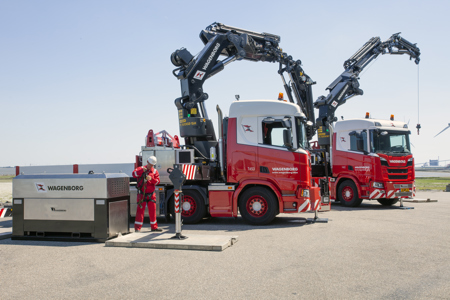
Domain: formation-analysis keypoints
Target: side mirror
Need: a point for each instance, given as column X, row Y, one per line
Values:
column 360, row 145
column 287, row 139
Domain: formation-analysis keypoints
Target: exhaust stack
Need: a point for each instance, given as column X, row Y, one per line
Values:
column 220, row 141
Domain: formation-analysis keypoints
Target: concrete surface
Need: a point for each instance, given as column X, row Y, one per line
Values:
column 369, row 252
column 5, row 235
column 166, row 241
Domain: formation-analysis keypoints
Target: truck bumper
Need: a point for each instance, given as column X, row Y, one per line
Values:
column 393, row 190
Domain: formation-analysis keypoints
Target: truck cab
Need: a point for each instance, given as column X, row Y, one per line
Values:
column 268, row 160
column 372, row 159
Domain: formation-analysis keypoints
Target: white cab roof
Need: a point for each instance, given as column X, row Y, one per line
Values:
column 264, row 108
column 360, row 124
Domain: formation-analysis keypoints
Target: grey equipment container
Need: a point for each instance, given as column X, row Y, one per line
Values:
column 75, row 207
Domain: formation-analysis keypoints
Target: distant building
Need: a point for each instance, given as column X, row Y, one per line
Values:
column 7, row 171
column 434, row 163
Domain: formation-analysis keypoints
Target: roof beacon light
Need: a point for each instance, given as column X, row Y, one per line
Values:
column 392, row 117
column 280, row 96
column 367, row 115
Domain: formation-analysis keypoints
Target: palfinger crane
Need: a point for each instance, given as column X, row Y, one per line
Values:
column 235, row 44
column 346, row 85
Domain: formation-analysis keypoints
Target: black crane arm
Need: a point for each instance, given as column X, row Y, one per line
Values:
column 267, row 49
column 346, row 85
column 235, row 44
column 301, row 87
column 219, row 39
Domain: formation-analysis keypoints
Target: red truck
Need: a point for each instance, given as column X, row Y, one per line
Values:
column 260, row 164
column 262, row 167
column 371, row 159
column 365, row 158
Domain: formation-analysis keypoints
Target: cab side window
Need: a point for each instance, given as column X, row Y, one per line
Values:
column 273, row 134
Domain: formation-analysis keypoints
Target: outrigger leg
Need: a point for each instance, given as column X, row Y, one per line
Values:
column 316, row 219
column 404, row 207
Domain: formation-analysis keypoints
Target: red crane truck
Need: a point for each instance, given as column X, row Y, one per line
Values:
column 260, row 163
column 365, row 158
column 371, row 159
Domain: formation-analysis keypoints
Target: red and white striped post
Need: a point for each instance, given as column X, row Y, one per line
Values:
column 177, row 201
column 177, row 213
column 178, row 224
column 178, row 178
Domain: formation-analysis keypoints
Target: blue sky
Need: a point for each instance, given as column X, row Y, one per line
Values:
column 83, row 81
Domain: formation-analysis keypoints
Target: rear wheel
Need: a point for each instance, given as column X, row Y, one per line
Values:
column 258, row 206
column 192, row 207
column 348, row 194
column 387, row 202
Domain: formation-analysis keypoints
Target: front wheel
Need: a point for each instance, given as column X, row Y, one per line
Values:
column 258, row 206
column 348, row 194
column 387, row 202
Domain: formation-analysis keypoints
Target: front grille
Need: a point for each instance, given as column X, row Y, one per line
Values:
column 397, row 171
column 397, row 176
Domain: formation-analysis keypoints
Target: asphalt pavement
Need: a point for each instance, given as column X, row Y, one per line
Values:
column 369, row 252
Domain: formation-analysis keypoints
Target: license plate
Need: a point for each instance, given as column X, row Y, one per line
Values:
column 404, row 190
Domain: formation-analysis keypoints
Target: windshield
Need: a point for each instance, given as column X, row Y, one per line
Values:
column 301, row 134
column 382, row 141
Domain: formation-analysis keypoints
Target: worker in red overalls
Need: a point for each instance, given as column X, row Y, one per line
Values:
column 147, row 179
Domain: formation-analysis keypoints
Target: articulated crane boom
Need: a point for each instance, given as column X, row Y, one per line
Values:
column 235, row 44
column 346, row 85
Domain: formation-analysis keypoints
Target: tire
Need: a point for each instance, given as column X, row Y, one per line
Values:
column 192, row 207
column 258, row 206
column 387, row 202
column 348, row 194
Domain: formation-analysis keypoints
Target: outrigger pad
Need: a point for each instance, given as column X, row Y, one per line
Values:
column 179, row 236
column 403, row 207
column 317, row 220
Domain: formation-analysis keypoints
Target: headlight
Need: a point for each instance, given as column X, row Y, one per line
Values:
column 384, row 162
column 411, row 159
column 378, row 185
column 305, row 193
